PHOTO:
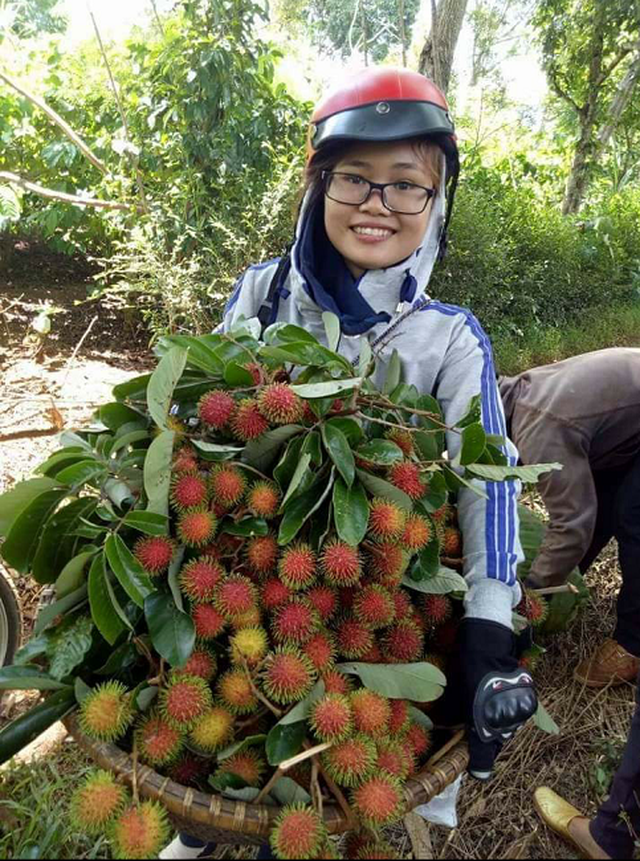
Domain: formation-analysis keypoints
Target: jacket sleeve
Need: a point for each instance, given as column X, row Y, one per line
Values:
column 569, row 494
column 248, row 294
column 489, row 526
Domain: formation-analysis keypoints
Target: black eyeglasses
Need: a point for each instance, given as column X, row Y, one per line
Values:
column 403, row 197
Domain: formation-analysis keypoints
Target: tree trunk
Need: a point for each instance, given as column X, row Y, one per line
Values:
column 436, row 57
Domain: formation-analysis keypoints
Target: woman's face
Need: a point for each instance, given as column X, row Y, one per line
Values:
column 370, row 236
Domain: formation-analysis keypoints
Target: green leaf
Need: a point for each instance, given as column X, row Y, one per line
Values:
column 247, row 527
column 72, row 575
column 474, row 441
column 301, row 711
column 84, row 472
column 300, row 509
column 128, row 439
column 436, row 494
column 455, row 482
column 285, row 741
column 200, row 355
column 327, row 390
column 420, row 717
column 157, row 473
column 239, row 746
column 287, row 332
column 114, row 415
column 81, row 690
column 394, row 373
column 148, row 522
column 543, row 720
column 23, row 730
column 216, row 452
column 349, row 427
column 173, row 576
column 332, row 329
column 24, row 535
column 427, row 563
column 146, row 697
column 131, row 575
column 58, row 542
column 445, row 581
column 172, row 632
column 382, row 452
column 236, row 375
column 60, row 460
column 473, row 413
column 420, row 682
column 14, row 501
column 430, row 444
column 68, row 645
column 527, row 474
column 162, row 384
column 120, row 660
column 365, row 356
column 287, row 791
column 300, row 472
column 283, row 472
column 107, row 619
column 350, row 511
column 261, row 452
column 59, row 608
column 27, row 679
column 335, row 442
column 379, row 487
column 306, row 353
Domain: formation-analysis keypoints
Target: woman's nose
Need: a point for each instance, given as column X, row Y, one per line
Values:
column 374, row 202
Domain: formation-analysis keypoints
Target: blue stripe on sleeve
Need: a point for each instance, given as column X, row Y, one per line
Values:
column 500, row 527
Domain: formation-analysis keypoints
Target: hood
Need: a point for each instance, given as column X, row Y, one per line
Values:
column 321, row 280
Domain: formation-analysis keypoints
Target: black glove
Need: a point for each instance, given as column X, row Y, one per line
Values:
column 498, row 698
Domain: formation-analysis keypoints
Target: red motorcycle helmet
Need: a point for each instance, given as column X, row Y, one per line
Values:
column 388, row 104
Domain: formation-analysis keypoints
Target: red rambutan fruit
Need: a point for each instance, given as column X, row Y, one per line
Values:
column 371, row 712
column 158, row 741
column 417, row 532
column 247, row 765
column 213, row 729
column 346, row 597
column 437, row 609
column 452, row 543
column 403, row 439
column 388, row 563
column 189, row 490
column 402, row 603
column 373, row 656
column 350, row 761
column 332, row 718
column 140, row 831
column 183, row 700
column 96, row 802
column 336, row 682
column 403, row 642
column 215, row 408
column 228, row 485
column 393, row 759
column 274, row 593
column 186, row 460
column 196, row 527
column 262, row 553
column 374, row 606
column 280, row 404
column 295, row 623
column 251, row 618
column 375, row 849
column 248, row 422
column 406, row 476
column 324, row 599
column 398, row 717
column 287, row 676
column 249, row 645
column 263, row 499
column 235, row 692
column 189, row 770
column 534, row 608
column 154, row 553
column 201, row 663
column 445, row 514
column 378, row 800
column 354, row 638
column 297, row 566
column 386, row 519
column 321, row 650
column 298, row 833
column 199, row 578
column 419, row 739
column 257, row 372
column 209, row 623
column 105, row 713
column 340, row 563
column 235, row 595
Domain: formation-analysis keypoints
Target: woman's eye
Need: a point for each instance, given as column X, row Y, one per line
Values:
column 354, row 180
column 404, row 186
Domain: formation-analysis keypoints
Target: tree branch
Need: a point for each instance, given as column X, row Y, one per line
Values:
column 560, row 92
column 51, row 194
column 57, row 119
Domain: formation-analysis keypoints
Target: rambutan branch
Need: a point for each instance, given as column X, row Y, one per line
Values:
column 385, row 404
column 316, row 792
column 258, row 694
column 134, row 776
column 266, row 789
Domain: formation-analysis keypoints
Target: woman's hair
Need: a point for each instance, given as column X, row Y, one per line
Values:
column 329, row 156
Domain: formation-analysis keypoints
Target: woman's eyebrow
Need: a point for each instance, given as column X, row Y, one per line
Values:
column 399, row 165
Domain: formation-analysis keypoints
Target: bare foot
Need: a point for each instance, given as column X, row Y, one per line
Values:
column 579, row 830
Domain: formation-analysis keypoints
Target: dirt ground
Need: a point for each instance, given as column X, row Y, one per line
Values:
column 92, row 347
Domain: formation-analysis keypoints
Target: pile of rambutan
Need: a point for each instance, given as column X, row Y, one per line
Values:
column 239, row 559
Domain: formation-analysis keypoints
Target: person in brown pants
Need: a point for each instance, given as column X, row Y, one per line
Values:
column 584, row 412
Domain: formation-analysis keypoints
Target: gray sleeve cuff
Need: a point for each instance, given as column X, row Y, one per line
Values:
column 492, row 600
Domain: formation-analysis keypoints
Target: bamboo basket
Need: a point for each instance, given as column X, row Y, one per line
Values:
column 212, row 817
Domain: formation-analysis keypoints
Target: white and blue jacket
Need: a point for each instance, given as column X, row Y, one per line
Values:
column 444, row 352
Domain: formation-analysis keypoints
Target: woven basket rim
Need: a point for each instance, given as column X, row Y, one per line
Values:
column 229, row 814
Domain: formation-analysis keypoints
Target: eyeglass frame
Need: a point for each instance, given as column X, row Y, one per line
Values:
column 380, row 186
